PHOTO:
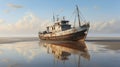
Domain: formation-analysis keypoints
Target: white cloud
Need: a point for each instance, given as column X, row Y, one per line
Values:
column 29, row 24
column 2, row 21
column 14, row 5
column 6, row 11
column 96, row 7
column 111, row 26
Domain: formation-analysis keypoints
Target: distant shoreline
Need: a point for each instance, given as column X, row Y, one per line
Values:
column 4, row 40
column 112, row 39
column 102, row 40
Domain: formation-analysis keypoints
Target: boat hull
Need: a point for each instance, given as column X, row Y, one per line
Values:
column 76, row 36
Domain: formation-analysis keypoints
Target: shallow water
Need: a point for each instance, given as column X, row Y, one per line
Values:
column 60, row 54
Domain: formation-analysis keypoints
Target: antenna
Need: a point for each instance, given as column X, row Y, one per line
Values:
column 57, row 18
column 63, row 17
column 78, row 15
column 53, row 18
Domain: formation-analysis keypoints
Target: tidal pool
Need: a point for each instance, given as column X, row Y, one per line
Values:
column 60, row 54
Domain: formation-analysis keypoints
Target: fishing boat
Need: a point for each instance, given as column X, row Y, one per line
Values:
column 62, row 30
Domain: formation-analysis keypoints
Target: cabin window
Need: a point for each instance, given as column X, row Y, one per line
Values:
column 47, row 29
column 64, row 22
column 66, row 27
column 52, row 28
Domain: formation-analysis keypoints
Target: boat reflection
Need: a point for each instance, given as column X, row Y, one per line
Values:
column 62, row 50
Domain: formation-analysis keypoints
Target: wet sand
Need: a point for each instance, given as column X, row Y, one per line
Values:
column 110, row 45
column 102, row 39
column 17, row 39
column 30, row 52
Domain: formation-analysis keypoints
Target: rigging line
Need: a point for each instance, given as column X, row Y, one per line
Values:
column 82, row 15
column 75, row 21
column 53, row 17
column 82, row 19
column 72, row 15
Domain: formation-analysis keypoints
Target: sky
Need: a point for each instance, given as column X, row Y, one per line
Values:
column 28, row 17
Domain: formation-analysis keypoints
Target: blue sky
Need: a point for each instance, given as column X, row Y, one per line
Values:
column 95, row 11
column 91, row 9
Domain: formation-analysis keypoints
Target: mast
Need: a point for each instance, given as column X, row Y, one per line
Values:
column 78, row 15
column 53, row 18
column 79, row 61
